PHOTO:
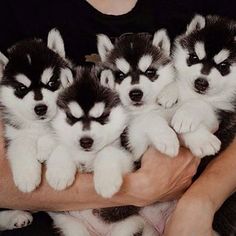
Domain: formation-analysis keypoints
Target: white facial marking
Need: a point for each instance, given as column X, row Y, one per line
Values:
column 46, row 75
column 97, row 110
column 29, row 58
column 144, row 62
column 122, row 65
column 23, row 79
column 221, row 56
column 200, row 50
column 75, row 109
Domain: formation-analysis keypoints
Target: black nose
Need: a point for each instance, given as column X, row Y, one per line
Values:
column 201, row 84
column 86, row 142
column 40, row 110
column 136, row 95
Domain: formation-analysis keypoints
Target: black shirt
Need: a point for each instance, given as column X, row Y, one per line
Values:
column 79, row 22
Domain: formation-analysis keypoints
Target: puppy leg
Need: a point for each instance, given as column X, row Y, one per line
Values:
column 61, row 169
column 162, row 137
column 46, row 145
column 109, row 167
column 131, row 226
column 201, row 142
column 13, row 219
column 22, row 154
column 69, row 225
column 189, row 116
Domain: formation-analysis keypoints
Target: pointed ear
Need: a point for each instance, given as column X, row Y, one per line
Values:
column 104, row 46
column 198, row 22
column 3, row 63
column 66, row 77
column 56, row 43
column 107, row 79
column 162, row 41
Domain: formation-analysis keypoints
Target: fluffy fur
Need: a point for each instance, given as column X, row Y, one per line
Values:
column 205, row 60
column 88, row 126
column 139, row 68
column 32, row 76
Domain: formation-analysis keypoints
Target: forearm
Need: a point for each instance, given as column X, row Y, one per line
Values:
column 218, row 181
column 80, row 196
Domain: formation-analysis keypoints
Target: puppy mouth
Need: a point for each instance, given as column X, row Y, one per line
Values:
column 137, row 104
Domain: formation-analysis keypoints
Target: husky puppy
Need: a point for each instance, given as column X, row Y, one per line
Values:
column 88, row 125
column 31, row 78
column 139, row 68
column 205, row 60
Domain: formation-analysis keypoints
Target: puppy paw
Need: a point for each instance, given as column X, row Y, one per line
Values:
column 183, row 121
column 18, row 219
column 107, row 183
column 60, row 177
column 28, row 179
column 167, row 144
column 206, row 145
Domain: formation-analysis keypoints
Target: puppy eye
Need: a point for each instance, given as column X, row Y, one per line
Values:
column 193, row 59
column 119, row 75
column 223, row 68
column 71, row 119
column 53, row 84
column 21, row 89
column 103, row 118
column 150, row 72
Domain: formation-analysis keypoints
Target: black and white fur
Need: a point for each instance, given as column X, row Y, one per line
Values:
column 139, row 68
column 205, row 61
column 31, row 78
column 88, row 126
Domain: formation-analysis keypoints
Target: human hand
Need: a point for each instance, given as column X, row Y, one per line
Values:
column 159, row 179
column 192, row 217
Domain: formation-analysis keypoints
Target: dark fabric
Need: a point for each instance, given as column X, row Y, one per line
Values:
column 79, row 23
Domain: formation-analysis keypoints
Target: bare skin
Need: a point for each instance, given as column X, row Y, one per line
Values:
column 196, row 208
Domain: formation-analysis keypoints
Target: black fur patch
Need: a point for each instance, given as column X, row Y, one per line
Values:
column 115, row 214
column 86, row 91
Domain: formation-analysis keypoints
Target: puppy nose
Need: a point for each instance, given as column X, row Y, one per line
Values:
column 41, row 109
column 201, row 84
column 136, row 95
column 86, row 142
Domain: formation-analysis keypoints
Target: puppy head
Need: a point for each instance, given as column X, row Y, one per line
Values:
column 139, row 67
column 90, row 115
column 205, row 55
column 32, row 75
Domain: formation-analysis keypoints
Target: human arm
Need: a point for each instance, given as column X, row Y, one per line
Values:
column 82, row 195
column 196, row 208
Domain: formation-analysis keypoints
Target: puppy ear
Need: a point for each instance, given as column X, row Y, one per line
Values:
column 107, row 79
column 56, row 43
column 3, row 63
column 162, row 41
column 104, row 46
column 198, row 22
column 66, row 77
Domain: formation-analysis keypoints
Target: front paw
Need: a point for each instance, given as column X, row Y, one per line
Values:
column 204, row 145
column 107, row 183
column 28, row 179
column 183, row 121
column 60, row 177
column 167, row 143
column 18, row 219
column 169, row 96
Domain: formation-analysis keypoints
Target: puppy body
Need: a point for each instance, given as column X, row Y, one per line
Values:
column 31, row 78
column 139, row 69
column 88, row 126
column 205, row 119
